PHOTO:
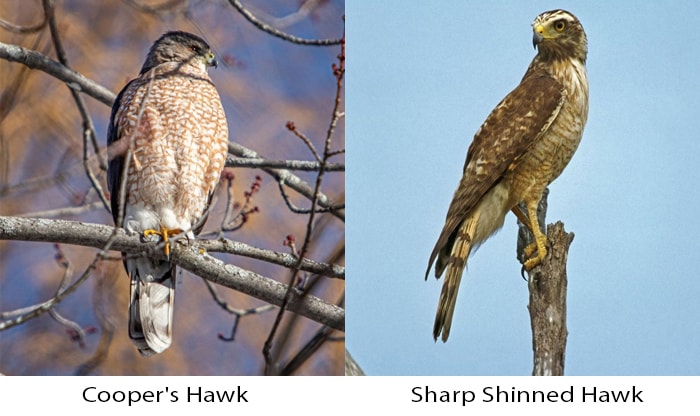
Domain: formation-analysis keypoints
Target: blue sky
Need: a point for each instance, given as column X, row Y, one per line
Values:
column 421, row 78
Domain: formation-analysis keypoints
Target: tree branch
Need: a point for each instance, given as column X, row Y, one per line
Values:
column 352, row 368
column 302, row 165
column 275, row 257
column 11, row 27
column 189, row 258
column 258, row 286
column 289, row 179
column 74, row 80
column 97, row 235
column 271, row 357
column 547, row 306
column 278, row 33
column 547, row 286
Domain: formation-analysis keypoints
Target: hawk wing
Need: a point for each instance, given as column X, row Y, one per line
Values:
column 116, row 158
column 517, row 122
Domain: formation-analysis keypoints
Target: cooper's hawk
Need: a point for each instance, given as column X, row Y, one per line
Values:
column 523, row 145
column 168, row 141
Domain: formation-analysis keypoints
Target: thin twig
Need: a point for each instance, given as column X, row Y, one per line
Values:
column 103, row 286
column 290, row 295
column 278, row 33
column 63, row 212
column 166, row 6
column 77, row 332
column 236, row 312
column 234, row 221
column 320, row 338
column 334, row 153
column 293, row 128
column 295, row 209
column 24, row 30
column 49, row 304
column 290, row 180
column 306, row 7
column 88, row 126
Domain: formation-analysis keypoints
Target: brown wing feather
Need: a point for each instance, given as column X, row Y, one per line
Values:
column 513, row 126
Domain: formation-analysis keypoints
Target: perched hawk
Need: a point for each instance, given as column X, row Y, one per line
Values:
column 523, row 145
column 167, row 141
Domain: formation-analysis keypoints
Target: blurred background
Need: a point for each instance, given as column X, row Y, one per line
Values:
column 264, row 82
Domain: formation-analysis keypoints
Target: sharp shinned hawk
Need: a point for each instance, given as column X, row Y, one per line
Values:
column 524, row 144
column 168, row 141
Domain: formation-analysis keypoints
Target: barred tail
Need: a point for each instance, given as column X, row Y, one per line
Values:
column 456, row 263
column 151, row 305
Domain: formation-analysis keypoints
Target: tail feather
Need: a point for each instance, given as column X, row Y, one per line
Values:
column 151, row 305
column 452, row 254
column 455, row 265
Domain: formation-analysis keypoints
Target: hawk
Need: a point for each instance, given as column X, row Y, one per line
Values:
column 524, row 144
column 167, row 142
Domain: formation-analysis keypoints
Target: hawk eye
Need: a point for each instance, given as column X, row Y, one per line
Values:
column 559, row 25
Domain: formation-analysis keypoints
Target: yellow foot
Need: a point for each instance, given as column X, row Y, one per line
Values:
column 539, row 246
column 164, row 233
column 530, row 249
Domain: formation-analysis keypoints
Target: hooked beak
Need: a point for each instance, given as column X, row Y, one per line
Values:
column 537, row 35
column 211, row 60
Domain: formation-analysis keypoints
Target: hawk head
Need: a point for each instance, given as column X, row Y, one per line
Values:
column 558, row 35
column 180, row 47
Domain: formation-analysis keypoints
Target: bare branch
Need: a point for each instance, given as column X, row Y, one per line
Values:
column 293, row 128
column 166, row 6
column 74, row 80
column 89, row 137
column 65, row 211
column 321, row 336
column 275, row 257
column 547, row 286
column 289, row 179
column 236, row 312
column 547, row 306
column 103, row 286
column 11, row 27
column 270, row 356
column 77, row 332
column 302, row 165
column 259, row 287
column 352, row 368
column 9, row 319
column 237, row 214
column 230, row 309
column 306, row 7
column 295, row 209
column 278, row 33
column 96, row 235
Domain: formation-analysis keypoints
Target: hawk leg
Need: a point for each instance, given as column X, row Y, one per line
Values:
column 164, row 233
column 539, row 246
